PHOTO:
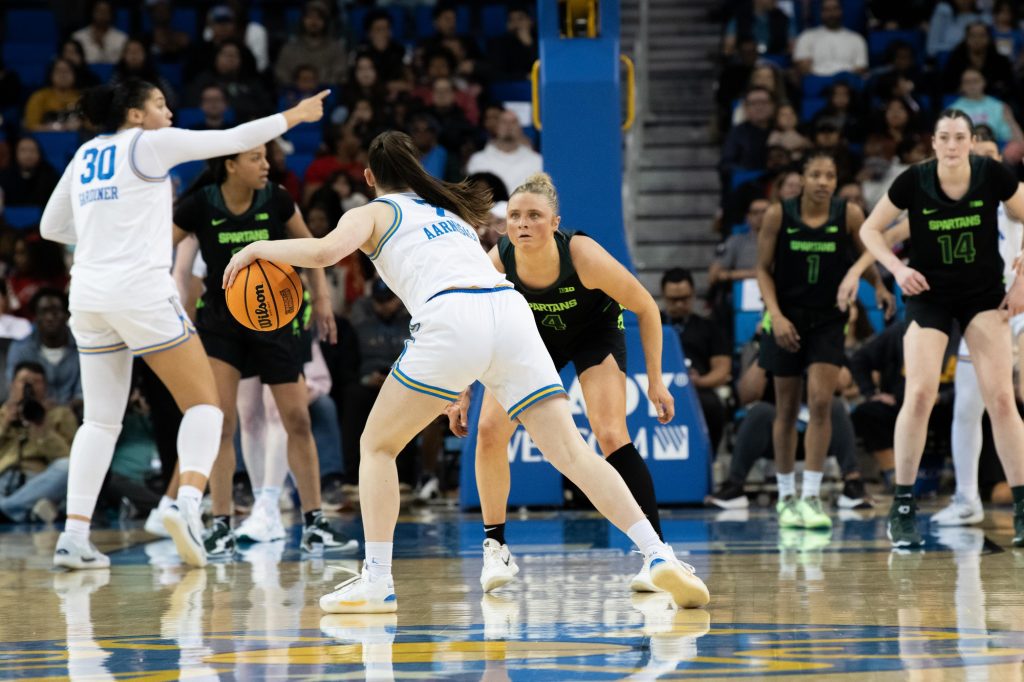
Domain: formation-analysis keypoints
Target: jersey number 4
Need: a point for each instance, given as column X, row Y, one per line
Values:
column 98, row 164
column 962, row 250
column 554, row 321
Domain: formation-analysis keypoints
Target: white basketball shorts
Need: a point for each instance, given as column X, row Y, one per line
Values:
column 152, row 328
column 462, row 335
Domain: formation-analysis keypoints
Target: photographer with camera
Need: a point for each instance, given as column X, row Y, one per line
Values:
column 35, row 441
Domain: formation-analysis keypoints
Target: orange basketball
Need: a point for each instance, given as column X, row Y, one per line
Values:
column 265, row 296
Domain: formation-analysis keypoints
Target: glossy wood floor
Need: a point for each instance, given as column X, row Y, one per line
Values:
column 801, row 605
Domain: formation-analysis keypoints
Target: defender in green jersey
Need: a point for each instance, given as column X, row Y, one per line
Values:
column 805, row 248
column 955, row 273
column 576, row 291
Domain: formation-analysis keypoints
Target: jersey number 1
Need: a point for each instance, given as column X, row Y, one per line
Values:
column 813, row 268
column 98, row 164
column 962, row 250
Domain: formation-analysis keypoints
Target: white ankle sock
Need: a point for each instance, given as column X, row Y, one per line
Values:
column 190, row 493
column 77, row 528
column 787, row 484
column 812, row 483
column 270, row 494
column 378, row 559
column 644, row 536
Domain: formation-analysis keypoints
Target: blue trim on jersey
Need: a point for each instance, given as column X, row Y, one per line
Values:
column 391, row 230
column 469, row 291
column 536, row 396
column 135, row 169
column 421, row 387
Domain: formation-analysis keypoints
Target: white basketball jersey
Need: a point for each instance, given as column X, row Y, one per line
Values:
column 122, row 216
column 427, row 250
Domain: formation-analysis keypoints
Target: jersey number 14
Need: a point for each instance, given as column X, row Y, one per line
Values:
column 98, row 164
column 962, row 250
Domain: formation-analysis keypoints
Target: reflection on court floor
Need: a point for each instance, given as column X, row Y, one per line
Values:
column 798, row 605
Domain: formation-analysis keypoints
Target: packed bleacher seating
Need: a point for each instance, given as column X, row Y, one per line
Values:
column 864, row 80
column 444, row 72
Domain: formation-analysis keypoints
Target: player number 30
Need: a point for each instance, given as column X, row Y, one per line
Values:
column 98, row 164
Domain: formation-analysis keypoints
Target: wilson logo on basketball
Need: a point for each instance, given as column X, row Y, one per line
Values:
column 261, row 311
column 265, row 296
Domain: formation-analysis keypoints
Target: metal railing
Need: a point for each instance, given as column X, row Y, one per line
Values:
column 634, row 136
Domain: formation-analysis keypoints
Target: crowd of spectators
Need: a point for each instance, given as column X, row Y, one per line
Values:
column 864, row 81
column 439, row 72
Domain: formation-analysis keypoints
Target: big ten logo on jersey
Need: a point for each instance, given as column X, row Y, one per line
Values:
column 661, row 442
column 98, row 165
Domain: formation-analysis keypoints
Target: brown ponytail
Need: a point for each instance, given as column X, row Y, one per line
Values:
column 395, row 165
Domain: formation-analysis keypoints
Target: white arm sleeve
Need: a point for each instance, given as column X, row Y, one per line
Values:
column 58, row 221
column 157, row 151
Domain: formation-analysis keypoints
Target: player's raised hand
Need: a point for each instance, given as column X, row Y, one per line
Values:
column 309, row 110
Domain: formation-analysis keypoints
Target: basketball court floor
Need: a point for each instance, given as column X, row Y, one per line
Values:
column 800, row 606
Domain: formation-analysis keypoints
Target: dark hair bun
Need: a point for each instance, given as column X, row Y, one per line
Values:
column 106, row 106
column 96, row 104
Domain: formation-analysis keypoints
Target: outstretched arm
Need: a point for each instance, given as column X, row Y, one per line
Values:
column 158, row 151
column 599, row 270
column 353, row 231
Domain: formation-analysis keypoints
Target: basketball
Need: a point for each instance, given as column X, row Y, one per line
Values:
column 265, row 296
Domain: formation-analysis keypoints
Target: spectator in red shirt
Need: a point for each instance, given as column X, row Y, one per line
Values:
column 348, row 156
column 38, row 264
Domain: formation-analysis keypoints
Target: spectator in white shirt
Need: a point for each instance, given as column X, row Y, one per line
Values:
column 830, row 48
column 101, row 41
column 505, row 155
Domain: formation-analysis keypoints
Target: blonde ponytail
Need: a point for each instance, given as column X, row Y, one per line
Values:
column 540, row 183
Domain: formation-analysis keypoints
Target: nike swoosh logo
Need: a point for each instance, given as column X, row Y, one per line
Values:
column 928, row 211
column 506, row 561
column 831, row 229
column 487, row 530
column 792, row 230
column 217, row 221
column 88, row 559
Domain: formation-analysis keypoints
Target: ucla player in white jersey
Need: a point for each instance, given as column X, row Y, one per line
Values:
column 114, row 203
column 468, row 323
column 968, row 408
